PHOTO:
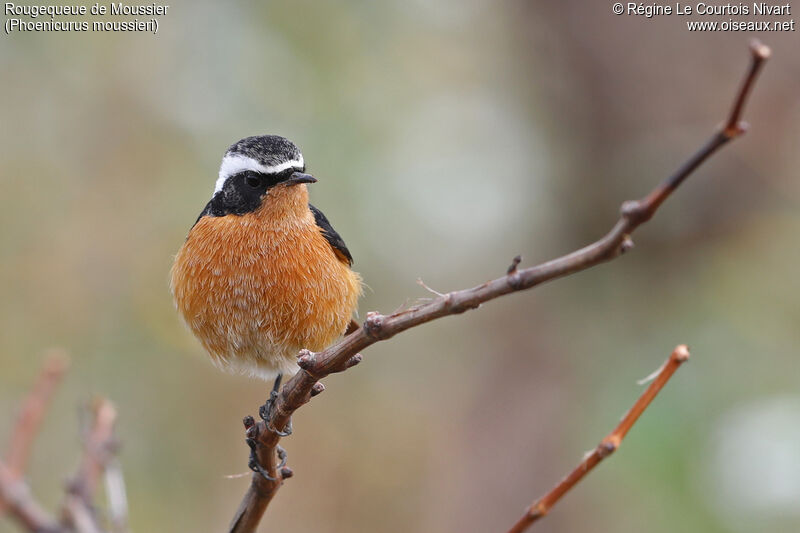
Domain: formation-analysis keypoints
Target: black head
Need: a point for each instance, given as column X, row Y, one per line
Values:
column 250, row 168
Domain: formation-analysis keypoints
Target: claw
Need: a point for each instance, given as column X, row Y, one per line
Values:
column 253, row 463
column 265, row 411
column 286, row 431
column 282, row 456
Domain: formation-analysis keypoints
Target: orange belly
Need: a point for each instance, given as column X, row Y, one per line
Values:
column 255, row 289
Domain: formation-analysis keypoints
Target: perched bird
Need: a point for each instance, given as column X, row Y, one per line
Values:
column 262, row 273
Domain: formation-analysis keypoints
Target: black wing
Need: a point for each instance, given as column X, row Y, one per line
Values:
column 335, row 240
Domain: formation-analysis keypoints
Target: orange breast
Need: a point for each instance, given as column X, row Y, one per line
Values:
column 257, row 288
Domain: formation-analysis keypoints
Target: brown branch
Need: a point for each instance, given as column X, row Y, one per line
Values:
column 20, row 504
column 99, row 447
column 78, row 512
column 15, row 496
column 761, row 53
column 607, row 446
column 377, row 327
column 33, row 410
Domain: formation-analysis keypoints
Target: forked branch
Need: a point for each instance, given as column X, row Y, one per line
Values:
column 99, row 446
column 78, row 511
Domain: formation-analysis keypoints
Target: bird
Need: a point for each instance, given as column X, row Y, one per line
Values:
column 262, row 273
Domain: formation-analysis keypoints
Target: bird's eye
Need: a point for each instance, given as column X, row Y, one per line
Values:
column 253, row 180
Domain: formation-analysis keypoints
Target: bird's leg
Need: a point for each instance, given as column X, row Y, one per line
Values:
column 255, row 466
column 265, row 411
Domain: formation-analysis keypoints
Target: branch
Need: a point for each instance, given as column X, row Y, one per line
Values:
column 33, row 410
column 78, row 511
column 607, row 446
column 377, row 327
column 99, row 448
column 99, row 445
column 20, row 504
column 15, row 496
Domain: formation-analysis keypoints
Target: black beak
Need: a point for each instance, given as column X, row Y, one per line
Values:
column 299, row 177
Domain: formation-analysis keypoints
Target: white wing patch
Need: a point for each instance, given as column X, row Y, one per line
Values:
column 235, row 163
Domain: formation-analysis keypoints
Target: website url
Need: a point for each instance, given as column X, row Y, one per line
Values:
column 741, row 25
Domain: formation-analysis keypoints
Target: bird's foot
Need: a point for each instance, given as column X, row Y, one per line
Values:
column 253, row 463
column 255, row 466
column 281, row 455
column 265, row 411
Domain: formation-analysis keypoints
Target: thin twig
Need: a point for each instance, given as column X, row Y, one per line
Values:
column 31, row 414
column 607, row 446
column 99, row 446
column 33, row 410
column 80, row 516
column 15, row 496
column 21, row 505
column 761, row 53
column 377, row 327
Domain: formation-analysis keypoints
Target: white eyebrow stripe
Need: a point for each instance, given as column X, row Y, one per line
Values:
column 236, row 163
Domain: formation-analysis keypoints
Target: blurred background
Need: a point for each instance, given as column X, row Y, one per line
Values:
column 448, row 137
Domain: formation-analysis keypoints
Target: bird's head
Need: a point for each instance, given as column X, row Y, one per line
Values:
column 255, row 170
